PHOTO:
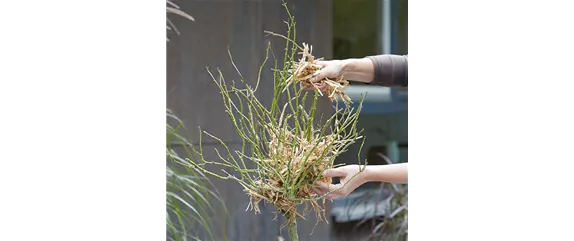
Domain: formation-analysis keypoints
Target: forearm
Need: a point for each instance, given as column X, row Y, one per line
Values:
column 361, row 70
column 395, row 173
column 384, row 70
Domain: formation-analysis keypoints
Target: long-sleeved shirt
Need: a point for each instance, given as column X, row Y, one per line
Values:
column 390, row 70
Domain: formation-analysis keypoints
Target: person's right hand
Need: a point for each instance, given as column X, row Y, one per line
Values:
column 351, row 178
column 332, row 69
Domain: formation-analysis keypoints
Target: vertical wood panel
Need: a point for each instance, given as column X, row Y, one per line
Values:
column 203, row 43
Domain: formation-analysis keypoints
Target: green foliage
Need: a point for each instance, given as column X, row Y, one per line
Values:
column 189, row 194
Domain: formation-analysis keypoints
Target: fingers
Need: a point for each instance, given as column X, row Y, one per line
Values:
column 333, row 191
column 324, row 186
column 319, row 75
column 322, row 87
column 329, row 69
column 334, row 172
column 319, row 192
column 334, row 195
column 330, row 191
column 305, row 86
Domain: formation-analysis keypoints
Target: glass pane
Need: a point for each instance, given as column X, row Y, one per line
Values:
column 401, row 27
column 355, row 28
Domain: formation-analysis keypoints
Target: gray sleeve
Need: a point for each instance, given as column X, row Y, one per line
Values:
column 390, row 70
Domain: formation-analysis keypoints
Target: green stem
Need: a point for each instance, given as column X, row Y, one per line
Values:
column 292, row 226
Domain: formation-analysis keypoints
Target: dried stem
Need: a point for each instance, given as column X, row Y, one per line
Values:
column 174, row 9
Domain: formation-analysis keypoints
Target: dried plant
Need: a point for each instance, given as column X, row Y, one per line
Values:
column 307, row 67
column 289, row 150
column 189, row 193
column 303, row 70
column 174, row 9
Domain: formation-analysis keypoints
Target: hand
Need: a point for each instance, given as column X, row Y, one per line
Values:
column 351, row 178
column 331, row 69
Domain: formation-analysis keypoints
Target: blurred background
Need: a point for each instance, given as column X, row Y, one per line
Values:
column 214, row 209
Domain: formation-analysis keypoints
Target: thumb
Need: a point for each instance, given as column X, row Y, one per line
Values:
column 319, row 75
column 334, row 172
column 321, row 63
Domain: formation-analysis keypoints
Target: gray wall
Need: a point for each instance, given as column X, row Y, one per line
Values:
column 194, row 98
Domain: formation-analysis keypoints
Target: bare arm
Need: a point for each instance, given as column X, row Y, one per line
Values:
column 396, row 173
column 361, row 70
column 352, row 177
column 386, row 70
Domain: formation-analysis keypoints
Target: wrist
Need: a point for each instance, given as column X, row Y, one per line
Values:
column 348, row 65
column 369, row 174
column 358, row 69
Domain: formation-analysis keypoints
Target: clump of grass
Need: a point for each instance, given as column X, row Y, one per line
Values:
column 189, row 196
column 303, row 70
column 289, row 150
